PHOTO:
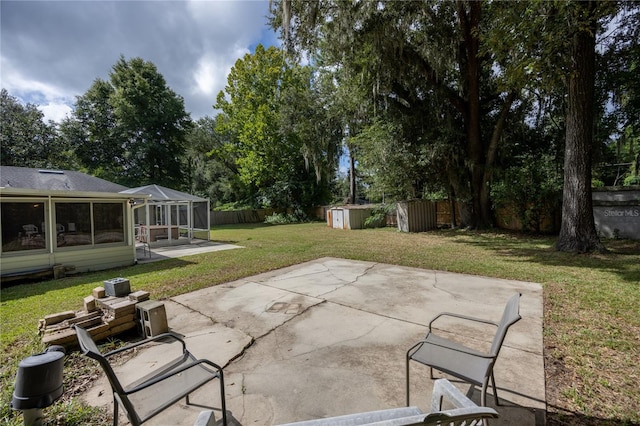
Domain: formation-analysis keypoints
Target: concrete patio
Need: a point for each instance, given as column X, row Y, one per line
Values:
column 328, row 337
column 144, row 254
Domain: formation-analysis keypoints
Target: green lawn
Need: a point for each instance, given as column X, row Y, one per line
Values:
column 592, row 302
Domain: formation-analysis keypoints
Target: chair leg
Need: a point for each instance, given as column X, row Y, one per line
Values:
column 483, row 399
column 115, row 411
column 495, row 390
column 407, row 379
column 223, row 400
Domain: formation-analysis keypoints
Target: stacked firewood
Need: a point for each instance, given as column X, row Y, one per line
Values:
column 103, row 316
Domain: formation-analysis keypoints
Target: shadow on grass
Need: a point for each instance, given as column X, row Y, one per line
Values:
column 225, row 242
column 621, row 258
column 577, row 419
column 21, row 289
column 228, row 226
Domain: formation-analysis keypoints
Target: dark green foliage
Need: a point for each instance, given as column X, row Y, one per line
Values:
column 297, row 216
column 211, row 170
column 132, row 128
column 378, row 217
column 532, row 188
column 632, row 180
column 283, row 149
column 26, row 140
column 619, row 88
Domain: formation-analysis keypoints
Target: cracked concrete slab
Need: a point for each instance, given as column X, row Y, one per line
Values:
column 329, row 337
column 245, row 306
column 315, row 279
column 321, row 365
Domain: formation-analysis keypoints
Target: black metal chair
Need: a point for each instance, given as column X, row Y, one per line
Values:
column 150, row 395
column 459, row 360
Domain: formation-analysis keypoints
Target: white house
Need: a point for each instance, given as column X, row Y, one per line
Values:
column 61, row 217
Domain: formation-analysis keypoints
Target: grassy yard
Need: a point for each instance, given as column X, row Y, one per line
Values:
column 591, row 323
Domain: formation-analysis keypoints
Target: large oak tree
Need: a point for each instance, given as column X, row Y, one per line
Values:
column 577, row 230
column 437, row 42
column 132, row 128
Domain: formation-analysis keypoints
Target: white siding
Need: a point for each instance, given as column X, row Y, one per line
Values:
column 84, row 260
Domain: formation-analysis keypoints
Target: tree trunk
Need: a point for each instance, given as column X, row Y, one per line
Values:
column 475, row 202
column 492, row 153
column 463, row 198
column 352, row 177
column 452, row 208
column 577, row 230
column 481, row 205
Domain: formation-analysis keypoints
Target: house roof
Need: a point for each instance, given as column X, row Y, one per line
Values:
column 54, row 180
column 160, row 193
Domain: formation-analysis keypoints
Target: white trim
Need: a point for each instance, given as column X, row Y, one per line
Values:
column 8, row 192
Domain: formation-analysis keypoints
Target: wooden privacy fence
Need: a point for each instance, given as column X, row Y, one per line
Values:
column 320, row 213
column 505, row 218
column 240, row 216
column 258, row 215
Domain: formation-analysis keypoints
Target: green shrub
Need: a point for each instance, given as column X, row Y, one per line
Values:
column 279, row 219
column 298, row 216
column 378, row 217
column 533, row 189
column 238, row 205
column 632, row 180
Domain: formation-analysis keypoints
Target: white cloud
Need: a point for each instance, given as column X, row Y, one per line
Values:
column 19, row 85
column 53, row 51
column 50, row 99
column 211, row 73
column 206, row 76
column 55, row 111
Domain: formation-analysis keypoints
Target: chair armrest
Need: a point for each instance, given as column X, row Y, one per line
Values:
column 173, row 373
column 148, row 340
column 464, row 317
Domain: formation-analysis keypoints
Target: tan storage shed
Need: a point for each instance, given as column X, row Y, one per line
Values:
column 348, row 217
column 416, row 215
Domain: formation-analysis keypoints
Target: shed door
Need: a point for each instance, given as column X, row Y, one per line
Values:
column 338, row 218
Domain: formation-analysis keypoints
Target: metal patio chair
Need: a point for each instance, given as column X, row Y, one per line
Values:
column 30, row 230
column 142, row 240
column 150, row 395
column 459, row 360
column 463, row 412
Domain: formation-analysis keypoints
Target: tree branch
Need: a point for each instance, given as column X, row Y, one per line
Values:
column 498, row 128
column 411, row 56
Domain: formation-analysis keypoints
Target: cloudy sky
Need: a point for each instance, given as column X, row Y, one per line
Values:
column 52, row 51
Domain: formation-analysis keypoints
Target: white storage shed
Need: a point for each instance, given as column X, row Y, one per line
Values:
column 348, row 217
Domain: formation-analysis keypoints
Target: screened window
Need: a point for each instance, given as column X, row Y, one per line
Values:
column 23, row 226
column 87, row 223
column 108, row 219
column 73, row 224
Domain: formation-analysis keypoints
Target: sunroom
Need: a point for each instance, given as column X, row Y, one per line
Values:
column 47, row 221
column 167, row 216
